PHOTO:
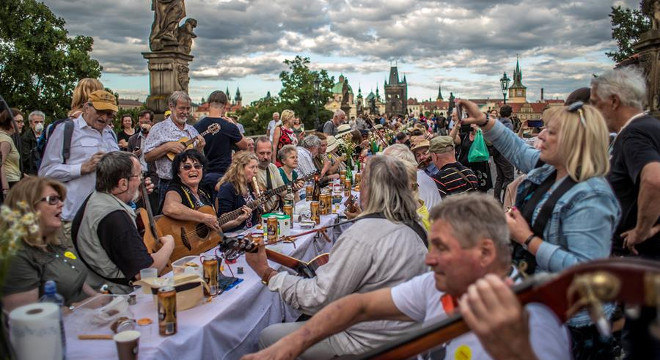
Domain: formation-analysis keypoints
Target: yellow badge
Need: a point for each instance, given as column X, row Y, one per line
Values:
column 70, row 255
column 463, row 352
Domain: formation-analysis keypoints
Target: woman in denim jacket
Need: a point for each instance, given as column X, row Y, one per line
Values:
column 574, row 144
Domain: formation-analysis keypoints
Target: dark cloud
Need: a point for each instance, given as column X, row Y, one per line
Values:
column 238, row 38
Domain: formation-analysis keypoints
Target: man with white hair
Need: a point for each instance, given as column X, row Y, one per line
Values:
column 307, row 149
column 635, row 178
column 272, row 124
column 29, row 153
column 330, row 126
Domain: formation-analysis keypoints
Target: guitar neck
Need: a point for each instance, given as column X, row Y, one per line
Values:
column 288, row 261
column 147, row 206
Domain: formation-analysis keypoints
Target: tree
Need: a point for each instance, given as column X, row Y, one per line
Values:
column 627, row 26
column 40, row 64
column 298, row 93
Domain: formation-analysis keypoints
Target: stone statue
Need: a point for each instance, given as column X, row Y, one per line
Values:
column 165, row 28
column 186, row 35
column 182, row 76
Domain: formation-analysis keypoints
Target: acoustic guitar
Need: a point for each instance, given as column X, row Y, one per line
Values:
column 632, row 281
column 188, row 143
column 146, row 225
column 194, row 238
column 304, row 269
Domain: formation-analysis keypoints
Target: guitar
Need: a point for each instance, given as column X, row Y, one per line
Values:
column 194, row 238
column 260, row 200
column 235, row 246
column 350, row 204
column 188, row 143
column 627, row 280
column 147, row 227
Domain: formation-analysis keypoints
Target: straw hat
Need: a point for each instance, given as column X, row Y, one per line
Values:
column 332, row 144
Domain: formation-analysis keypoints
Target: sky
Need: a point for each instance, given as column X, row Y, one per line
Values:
column 463, row 46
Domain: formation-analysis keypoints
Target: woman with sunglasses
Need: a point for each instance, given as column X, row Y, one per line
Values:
column 571, row 163
column 43, row 258
column 235, row 190
column 184, row 196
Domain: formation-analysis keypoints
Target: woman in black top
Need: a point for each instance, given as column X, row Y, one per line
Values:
column 126, row 132
column 184, row 197
column 235, row 190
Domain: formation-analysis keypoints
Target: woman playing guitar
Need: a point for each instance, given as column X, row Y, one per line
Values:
column 234, row 190
column 184, row 196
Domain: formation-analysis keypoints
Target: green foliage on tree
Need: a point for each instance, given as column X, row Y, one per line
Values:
column 255, row 118
column 627, row 26
column 298, row 93
column 40, row 63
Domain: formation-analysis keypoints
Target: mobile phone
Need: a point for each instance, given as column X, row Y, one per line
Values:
column 459, row 112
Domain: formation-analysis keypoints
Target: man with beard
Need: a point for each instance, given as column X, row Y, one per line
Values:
column 268, row 176
column 165, row 137
column 104, row 229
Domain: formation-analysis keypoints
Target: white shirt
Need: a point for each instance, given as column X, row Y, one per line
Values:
column 85, row 142
column 271, row 128
column 420, row 300
column 428, row 191
column 162, row 132
column 305, row 162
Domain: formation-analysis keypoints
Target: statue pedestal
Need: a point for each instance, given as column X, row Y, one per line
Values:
column 648, row 49
column 168, row 72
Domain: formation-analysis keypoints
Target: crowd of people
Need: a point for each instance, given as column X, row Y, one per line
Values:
column 589, row 189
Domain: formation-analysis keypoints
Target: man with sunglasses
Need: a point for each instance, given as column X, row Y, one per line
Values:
column 104, row 230
column 91, row 138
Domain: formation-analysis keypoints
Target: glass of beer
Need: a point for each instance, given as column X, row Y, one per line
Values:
column 210, row 266
column 309, row 190
column 314, row 209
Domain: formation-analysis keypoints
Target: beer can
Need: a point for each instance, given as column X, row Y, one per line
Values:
column 326, row 204
column 272, row 229
column 167, row 311
column 347, row 188
column 357, row 177
column 342, row 178
column 342, row 173
column 288, row 210
column 314, row 209
column 210, row 266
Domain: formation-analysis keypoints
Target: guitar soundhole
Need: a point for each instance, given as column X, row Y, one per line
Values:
column 202, row 230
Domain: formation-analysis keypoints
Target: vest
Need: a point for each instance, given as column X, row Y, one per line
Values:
column 98, row 207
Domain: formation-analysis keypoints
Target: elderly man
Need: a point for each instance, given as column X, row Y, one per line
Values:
column 272, row 125
column 469, row 259
column 421, row 151
column 635, row 179
column 218, row 146
column 165, row 137
column 428, row 192
column 107, row 239
column 90, row 136
column 307, row 149
column 268, row 176
column 452, row 177
column 29, row 152
column 330, row 126
column 357, row 263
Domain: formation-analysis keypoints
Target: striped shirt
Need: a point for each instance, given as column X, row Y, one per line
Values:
column 449, row 181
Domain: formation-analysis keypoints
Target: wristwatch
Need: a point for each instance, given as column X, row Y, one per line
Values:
column 485, row 123
column 267, row 276
column 525, row 244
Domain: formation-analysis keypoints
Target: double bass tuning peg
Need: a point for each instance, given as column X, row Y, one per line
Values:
column 591, row 291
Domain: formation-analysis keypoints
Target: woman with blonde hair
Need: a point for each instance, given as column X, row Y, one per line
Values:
column 565, row 211
column 85, row 87
column 283, row 134
column 43, row 257
column 234, row 191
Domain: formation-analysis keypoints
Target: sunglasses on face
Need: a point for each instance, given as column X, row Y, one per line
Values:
column 52, row 199
column 188, row 167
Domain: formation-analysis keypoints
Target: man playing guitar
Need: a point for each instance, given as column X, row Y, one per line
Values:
column 268, row 176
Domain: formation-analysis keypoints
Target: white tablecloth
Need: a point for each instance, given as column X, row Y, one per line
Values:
column 226, row 328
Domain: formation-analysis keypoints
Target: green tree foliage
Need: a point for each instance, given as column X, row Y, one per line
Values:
column 298, row 94
column 627, row 26
column 255, row 118
column 40, row 63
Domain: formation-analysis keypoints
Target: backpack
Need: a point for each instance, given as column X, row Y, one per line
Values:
column 66, row 145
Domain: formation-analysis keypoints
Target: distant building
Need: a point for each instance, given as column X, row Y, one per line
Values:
column 396, row 94
column 128, row 104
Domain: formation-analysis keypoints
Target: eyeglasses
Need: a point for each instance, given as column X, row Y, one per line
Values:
column 52, row 199
column 577, row 106
column 188, row 167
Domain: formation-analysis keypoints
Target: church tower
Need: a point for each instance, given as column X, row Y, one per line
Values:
column 238, row 99
column 517, row 91
column 439, row 98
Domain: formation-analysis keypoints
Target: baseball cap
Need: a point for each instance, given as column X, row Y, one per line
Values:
column 103, row 100
column 441, row 144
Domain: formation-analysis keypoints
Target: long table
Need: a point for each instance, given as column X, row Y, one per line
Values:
column 225, row 328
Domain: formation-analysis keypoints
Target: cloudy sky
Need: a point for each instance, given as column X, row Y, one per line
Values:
column 465, row 45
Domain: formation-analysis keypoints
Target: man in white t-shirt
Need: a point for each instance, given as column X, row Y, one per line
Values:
column 271, row 125
column 470, row 260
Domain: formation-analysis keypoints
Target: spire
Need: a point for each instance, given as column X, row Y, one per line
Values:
column 394, row 75
column 238, row 97
column 404, row 78
column 439, row 93
column 227, row 92
column 385, row 82
column 268, row 94
column 517, row 76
